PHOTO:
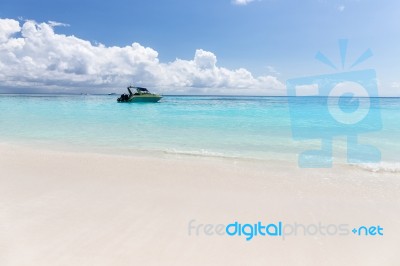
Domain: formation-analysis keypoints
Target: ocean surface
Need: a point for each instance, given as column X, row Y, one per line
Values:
column 240, row 127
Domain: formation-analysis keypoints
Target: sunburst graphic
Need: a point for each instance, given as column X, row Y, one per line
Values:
column 343, row 44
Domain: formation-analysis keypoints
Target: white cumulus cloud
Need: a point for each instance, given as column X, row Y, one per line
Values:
column 33, row 56
column 8, row 27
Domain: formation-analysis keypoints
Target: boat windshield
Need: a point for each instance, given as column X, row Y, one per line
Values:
column 142, row 90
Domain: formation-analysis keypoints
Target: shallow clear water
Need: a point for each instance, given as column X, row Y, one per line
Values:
column 248, row 127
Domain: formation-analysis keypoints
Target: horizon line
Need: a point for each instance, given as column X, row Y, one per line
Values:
column 187, row 95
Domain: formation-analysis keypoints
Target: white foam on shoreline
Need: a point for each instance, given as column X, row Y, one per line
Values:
column 382, row 167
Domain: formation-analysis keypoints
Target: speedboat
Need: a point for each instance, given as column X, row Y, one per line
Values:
column 141, row 95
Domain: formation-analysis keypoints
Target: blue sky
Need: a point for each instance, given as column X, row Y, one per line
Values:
column 266, row 37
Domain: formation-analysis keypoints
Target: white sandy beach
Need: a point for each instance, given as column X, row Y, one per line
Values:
column 70, row 208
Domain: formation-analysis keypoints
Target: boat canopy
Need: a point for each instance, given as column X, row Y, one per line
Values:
column 139, row 90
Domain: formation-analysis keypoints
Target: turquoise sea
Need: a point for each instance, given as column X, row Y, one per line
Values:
column 244, row 127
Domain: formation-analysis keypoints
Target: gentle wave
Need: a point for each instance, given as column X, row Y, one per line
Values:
column 201, row 152
column 382, row 167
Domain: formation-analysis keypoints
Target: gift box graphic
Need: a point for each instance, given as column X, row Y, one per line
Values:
column 347, row 104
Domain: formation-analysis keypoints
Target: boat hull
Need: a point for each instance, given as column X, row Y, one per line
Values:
column 144, row 99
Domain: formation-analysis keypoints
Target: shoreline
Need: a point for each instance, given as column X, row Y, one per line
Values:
column 291, row 159
column 57, row 146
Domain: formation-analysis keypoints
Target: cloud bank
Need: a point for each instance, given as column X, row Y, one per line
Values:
column 34, row 57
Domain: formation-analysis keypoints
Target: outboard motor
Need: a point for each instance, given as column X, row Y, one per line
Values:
column 120, row 98
column 125, row 97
